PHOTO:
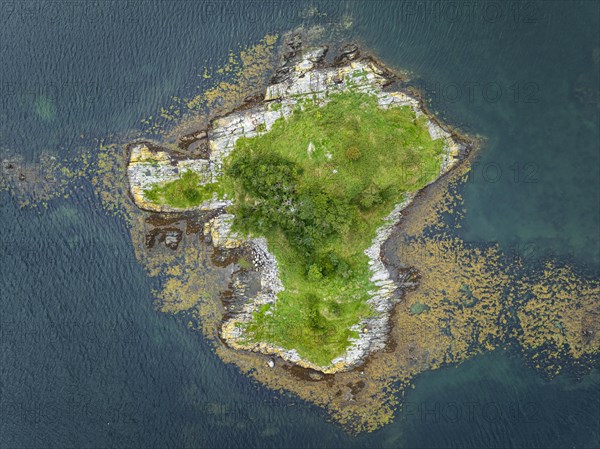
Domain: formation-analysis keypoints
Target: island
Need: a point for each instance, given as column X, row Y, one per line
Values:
column 304, row 213
column 307, row 183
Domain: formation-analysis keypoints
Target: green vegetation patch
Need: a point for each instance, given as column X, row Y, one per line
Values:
column 317, row 186
column 152, row 162
column 187, row 191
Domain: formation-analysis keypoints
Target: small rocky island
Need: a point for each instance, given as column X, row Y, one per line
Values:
column 303, row 186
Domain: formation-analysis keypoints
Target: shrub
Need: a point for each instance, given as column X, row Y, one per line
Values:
column 371, row 196
column 353, row 154
column 314, row 273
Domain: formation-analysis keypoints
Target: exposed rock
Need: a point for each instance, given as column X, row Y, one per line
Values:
column 172, row 239
column 316, row 375
column 170, row 236
column 219, row 231
column 188, row 139
column 281, row 74
column 316, row 55
column 295, row 42
column 348, row 52
column 199, row 149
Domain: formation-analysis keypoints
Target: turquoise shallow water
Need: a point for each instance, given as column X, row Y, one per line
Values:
column 85, row 360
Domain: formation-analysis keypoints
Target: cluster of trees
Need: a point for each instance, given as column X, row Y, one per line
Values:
column 373, row 196
column 307, row 216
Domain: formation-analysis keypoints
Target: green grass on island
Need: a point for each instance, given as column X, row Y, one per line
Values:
column 187, row 191
column 317, row 186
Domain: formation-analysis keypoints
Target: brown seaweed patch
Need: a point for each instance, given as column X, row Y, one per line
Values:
column 559, row 322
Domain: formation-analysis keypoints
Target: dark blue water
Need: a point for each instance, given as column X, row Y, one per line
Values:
column 86, row 361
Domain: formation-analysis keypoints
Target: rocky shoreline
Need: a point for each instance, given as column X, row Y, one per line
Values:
column 305, row 74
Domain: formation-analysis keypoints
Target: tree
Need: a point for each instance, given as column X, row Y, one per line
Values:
column 314, row 273
column 370, row 196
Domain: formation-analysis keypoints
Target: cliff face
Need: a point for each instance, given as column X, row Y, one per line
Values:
column 303, row 76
